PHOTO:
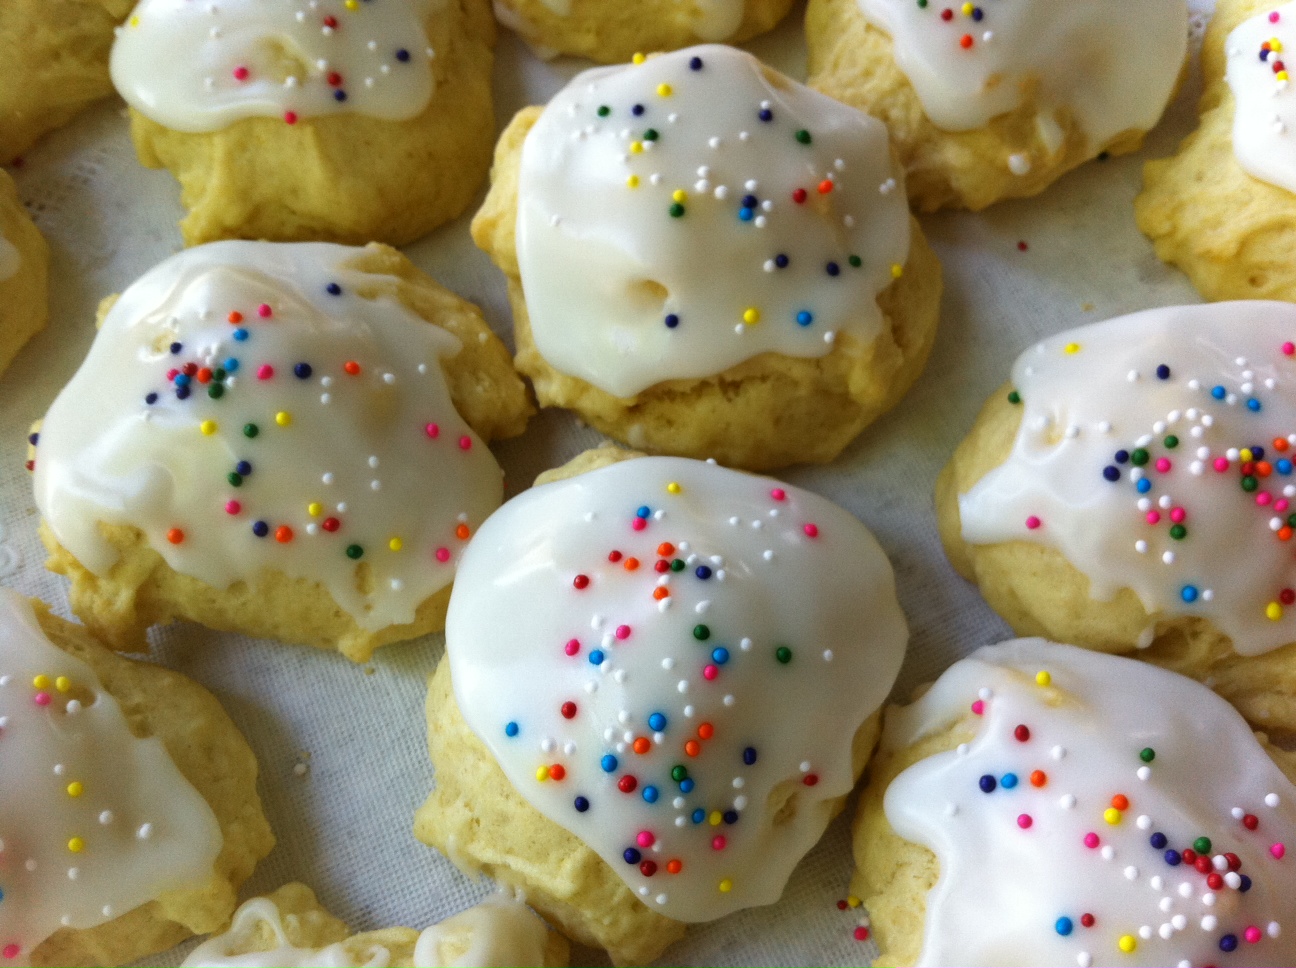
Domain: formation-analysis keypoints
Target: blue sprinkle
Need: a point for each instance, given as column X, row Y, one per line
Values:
column 596, row 657
column 176, row 348
column 644, row 511
column 1189, row 594
column 1158, row 841
column 1245, row 885
column 243, row 467
column 686, row 785
column 581, row 804
column 749, row 755
column 1228, row 942
column 804, row 318
column 1063, row 926
column 637, row 110
column 720, row 655
column 731, row 816
column 650, row 794
column 34, row 439
column 182, row 379
column 151, row 399
column 302, row 371
column 339, row 95
column 833, row 268
column 977, row 14
column 1008, row 781
column 631, row 855
column 1257, row 453
column 656, row 722
column 699, row 815
column 231, row 365
column 703, row 572
column 1143, row 486
column 260, row 529
column 781, row 260
column 240, row 335
column 182, row 393
column 1254, row 406
column 402, row 55
column 1218, row 393
column 1121, row 456
column 1111, row 472
column 987, row 783
column 511, row 729
column 1163, row 372
column 750, row 201
column 1172, row 858
column 695, row 64
column 1284, row 466
column 672, row 321
column 609, row 762
column 333, row 289
column 746, row 214
column 766, row 114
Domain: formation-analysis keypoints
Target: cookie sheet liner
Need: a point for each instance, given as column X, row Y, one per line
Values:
column 342, row 748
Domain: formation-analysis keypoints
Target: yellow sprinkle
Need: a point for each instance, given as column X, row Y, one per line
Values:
column 1112, row 816
column 1071, row 348
column 853, row 901
column 637, row 58
column 395, row 544
column 1275, row 45
column 353, row 4
column 1273, row 611
column 315, row 509
column 62, row 683
column 967, row 9
column 542, row 773
column 76, row 845
column 636, row 147
column 664, row 90
column 134, row 21
column 673, row 487
column 1127, row 943
column 41, row 682
column 715, row 818
column 679, row 195
column 1245, row 453
column 1281, row 75
column 75, row 789
column 726, row 886
column 632, row 181
column 208, row 427
column 897, row 270
column 751, row 316
column 283, row 418
column 1042, row 678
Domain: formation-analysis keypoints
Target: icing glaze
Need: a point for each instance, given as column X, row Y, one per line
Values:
column 1265, row 110
column 713, row 20
column 1155, row 454
column 1106, row 812
column 1111, row 64
column 202, row 66
column 681, row 215
column 10, row 260
column 247, row 408
column 623, row 642
column 498, row 932
column 93, row 822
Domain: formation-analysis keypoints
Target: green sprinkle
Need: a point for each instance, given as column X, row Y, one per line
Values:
column 1249, row 484
column 354, row 552
column 701, row 633
column 678, row 773
column 677, row 565
column 216, row 391
column 1172, row 441
column 650, row 134
column 1178, row 532
column 783, row 654
column 1202, row 845
column 855, row 261
column 1139, row 457
column 677, row 210
column 803, row 136
column 1147, row 754
column 251, row 430
column 235, row 479
column 1014, row 397
column 604, row 111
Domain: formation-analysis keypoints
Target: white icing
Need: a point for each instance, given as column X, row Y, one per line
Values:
column 1265, row 102
column 379, row 460
column 201, row 66
column 75, row 776
column 1092, row 392
column 781, row 568
column 604, row 265
column 10, row 260
column 1015, row 861
column 1112, row 64
column 499, row 932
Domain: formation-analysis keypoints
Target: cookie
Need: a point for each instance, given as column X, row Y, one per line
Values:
column 707, row 259
column 55, row 54
column 24, row 270
column 1222, row 208
column 286, row 440
column 295, row 121
column 657, row 692
column 994, row 101
column 290, row 928
column 1132, row 490
column 1046, row 805
column 129, row 814
column 610, row 32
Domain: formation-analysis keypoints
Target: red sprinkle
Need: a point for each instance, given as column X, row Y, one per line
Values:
column 581, row 581
column 810, row 779
column 627, row 784
column 568, row 710
column 799, row 196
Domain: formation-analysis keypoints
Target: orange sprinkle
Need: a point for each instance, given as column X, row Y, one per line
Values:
column 462, row 532
column 631, row 564
column 642, row 745
column 692, row 747
column 1280, row 444
column 659, row 593
column 706, row 731
column 283, row 534
column 1284, row 533
column 1263, row 468
column 557, row 772
column 674, row 866
column 665, row 549
column 175, row 535
column 235, row 317
column 204, row 375
column 352, row 367
column 1038, row 778
column 965, row 41
column 825, row 186
column 1120, row 801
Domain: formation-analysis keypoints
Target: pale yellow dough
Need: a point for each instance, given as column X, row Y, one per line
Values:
column 345, row 178
column 309, row 926
column 1039, row 592
column 612, row 31
column 214, row 758
column 1232, row 234
column 55, row 57
column 478, row 819
column 762, row 414
column 852, row 60
column 893, row 876
column 142, row 590
column 24, row 296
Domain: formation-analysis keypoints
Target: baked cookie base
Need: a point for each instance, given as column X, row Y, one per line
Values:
column 24, row 296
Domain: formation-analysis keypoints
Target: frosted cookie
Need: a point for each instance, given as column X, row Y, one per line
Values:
column 24, row 269
column 128, row 813
column 55, row 56
column 290, row 928
column 662, row 679
column 309, row 120
column 1222, row 209
column 1045, row 805
column 999, row 99
column 610, row 31
column 705, row 258
column 283, row 440
column 1134, row 490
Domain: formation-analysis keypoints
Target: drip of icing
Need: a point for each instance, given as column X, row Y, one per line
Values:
column 246, row 407
column 497, row 932
column 93, row 822
column 1265, row 101
column 1062, row 828
column 626, row 643
column 1111, row 63
column 10, row 260
column 1155, row 453
column 682, row 215
column 202, row 66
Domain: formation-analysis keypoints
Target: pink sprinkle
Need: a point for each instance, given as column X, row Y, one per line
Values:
column 443, row 555
column 1177, row 515
column 861, row 933
column 645, row 839
column 1278, row 850
column 811, row 530
column 1281, row 504
column 265, row 371
column 1024, row 821
column 432, row 430
column 639, row 524
column 233, row 507
column 572, row 646
column 778, row 494
column 172, row 374
column 978, row 708
column 718, row 843
column 1252, row 934
column 1273, row 19
column 1263, row 498
column 1153, row 517
column 1032, row 522
column 1163, row 464
column 465, row 442
column 42, row 698
column 1091, row 840
column 264, row 311
column 240, row 73
column 11, row 951
column 1221, row 464
column 290, row 117
column 623, row 631
column 710, row 672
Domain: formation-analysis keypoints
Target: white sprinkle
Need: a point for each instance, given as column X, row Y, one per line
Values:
column 145, row 831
